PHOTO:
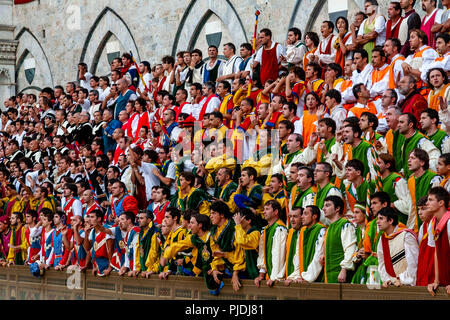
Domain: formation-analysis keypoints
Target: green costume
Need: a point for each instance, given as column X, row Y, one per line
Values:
column 438, row 138
column 322, row 193
column 334, row 251
column 307, row 243
column 409, row 145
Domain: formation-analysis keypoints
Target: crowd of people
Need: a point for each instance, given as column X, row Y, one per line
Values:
column 322, row 159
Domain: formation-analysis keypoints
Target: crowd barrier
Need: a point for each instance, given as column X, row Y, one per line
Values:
column 17, row 283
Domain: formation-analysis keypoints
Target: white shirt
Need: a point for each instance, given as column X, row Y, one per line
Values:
column 280, row 52
column 103, row 93
column 86, row 83
column 380, row 28
column 315, row 267
column 428, row 57
column 146, row 170
column 411, row 254
column 77, row 207
column 326, row 58
column 364, row 77
column 148, row 77
column 278, row 254
column 295, row 53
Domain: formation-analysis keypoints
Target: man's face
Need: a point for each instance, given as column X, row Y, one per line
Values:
column 348, row 67
column 295, row 219
column 169, row 220
column 244, row 52
column 244, row 179
column 159, row 197
column 376, row 206
column 425, row 121
column 57, row 219
column 391, row 117
column 414, row 163
column 269, row 213
column 383, row 223
column 212, row 53
column 309, row 72
column 428, row 5
column 116, row 190
column 319, row 173
column 414, row 41
column 285, row 111
column 28, row 219
column 215, row 217
column 328, row 209
column 45, row 221
column 13, row 220
column 351, row 174
column 436, row 79
column 307, row 217
column 403, row 124
column 364, row 123
column 293, row 173
column 123, row 222
column 87, row 196
column 359, row 216
column 292, row 144
column 325, row 30
column 359, row 61
column 291, row 37
column 441, row 46
column 263, row 38
column 392, row 13
column 143, row 220
column 275, row 185
column 377, row 60
column 441, row 168
column 347, row 135
column 432, row 204
column 368, row 8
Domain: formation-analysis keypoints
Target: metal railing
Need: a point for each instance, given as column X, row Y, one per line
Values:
column 18, row 283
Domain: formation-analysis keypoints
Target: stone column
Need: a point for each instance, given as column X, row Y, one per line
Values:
column 8, row 47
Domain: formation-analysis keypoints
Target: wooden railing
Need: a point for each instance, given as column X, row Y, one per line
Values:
column 18, row 283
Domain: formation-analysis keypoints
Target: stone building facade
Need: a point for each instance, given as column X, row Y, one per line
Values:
column 42, row 41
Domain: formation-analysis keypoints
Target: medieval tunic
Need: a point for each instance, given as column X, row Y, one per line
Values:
column 249, row 242
column 440, row 238
column 340, row 245
column 272, row 251
column 425, row 266
column 402, row 255
column 311, row 248
column 148, row 238
column 397, row 189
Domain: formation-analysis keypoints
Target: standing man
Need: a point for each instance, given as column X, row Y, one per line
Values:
column 292, row 246
column 372, row 31
column 340, row 243
column 272, row 246
column 397, row 251
column 231, row 66
column 433, row 15
column 411, row 20
column 268, row 56
column 326, row 52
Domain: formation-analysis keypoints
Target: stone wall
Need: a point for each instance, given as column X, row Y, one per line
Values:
column 58, row 34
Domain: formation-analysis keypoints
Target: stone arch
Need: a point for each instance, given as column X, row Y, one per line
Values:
column 305, row 18
column 29, row 44
column 107, row 23
column 195, row 16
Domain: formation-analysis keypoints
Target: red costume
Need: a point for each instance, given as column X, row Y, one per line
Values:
column 440, row 234
column 425, row 266
column 269, row 64
column 414, row 103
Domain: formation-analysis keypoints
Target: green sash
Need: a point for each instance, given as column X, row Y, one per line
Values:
column 291, row 250
column 421, row 189
column 334, row 252
column 251, row 258
column 268, row 234
column 374, row 237
column 224, row 194
column 360, row 153
column 360, row 275
column 310, row 236
column 328, row 145
column 408, row 146
column 437, row 138
column 145, row 243
column 204, row 260
column 298, row 202
column 321, row 194
column 288, row 159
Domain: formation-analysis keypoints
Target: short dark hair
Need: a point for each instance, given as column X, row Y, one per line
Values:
column 337, row 202
column 296, row 32
column 315, row 211
column 330, row 25
column 222, row 208
column 362, row 52
column 355, row 128
column 275, row 205
column 336, row 68
column 388, row 159
column 371, row 118
column 411, row 119
column 422, row 155
column 446, row 158
column 267, row 32
column 231, row 46
column 441, row 194
column 174, row 212
column 334, row 94
column 203, row 220
column 356, row 164
column 443, row 73
column 327, row 168
column 390, row 214
column 433, row 114
column 395, row 42
column 251, row 172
